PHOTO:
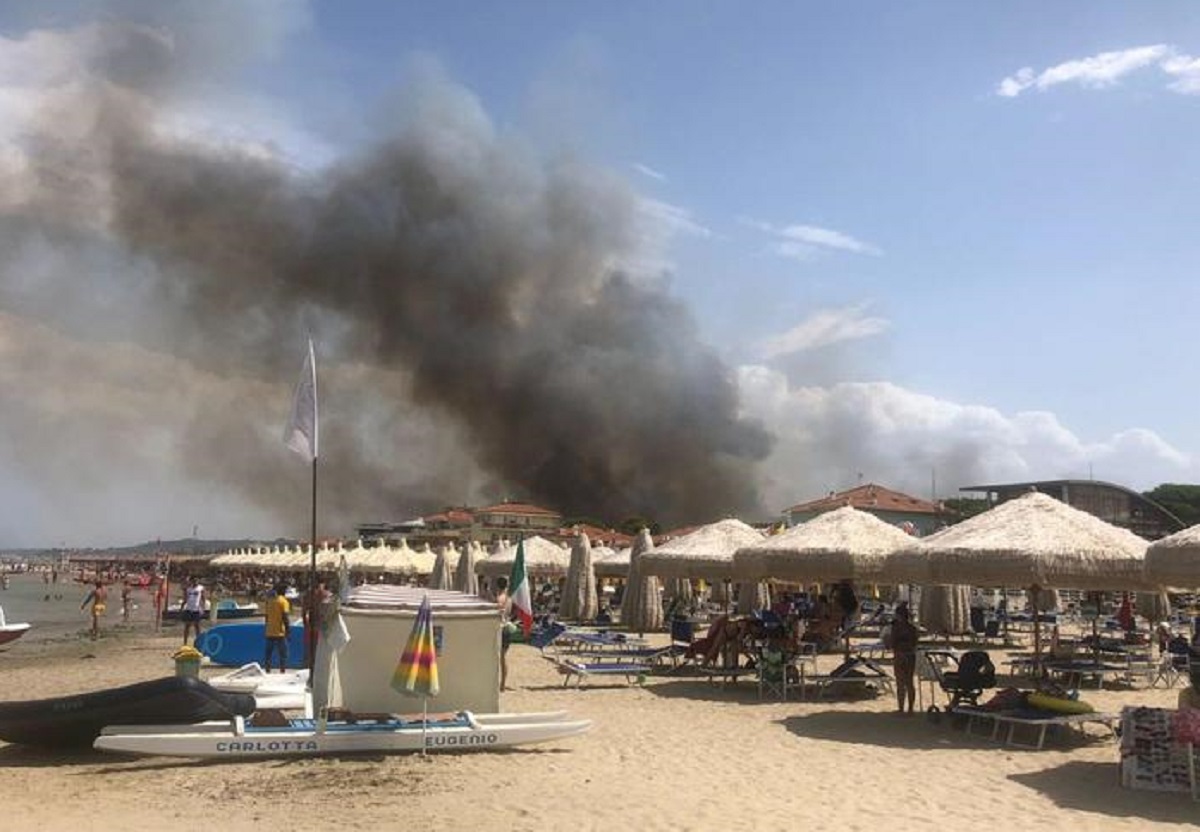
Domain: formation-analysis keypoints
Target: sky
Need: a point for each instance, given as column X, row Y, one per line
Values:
column 927, row 245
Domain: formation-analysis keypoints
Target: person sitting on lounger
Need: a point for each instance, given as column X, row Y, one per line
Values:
column 724, row 633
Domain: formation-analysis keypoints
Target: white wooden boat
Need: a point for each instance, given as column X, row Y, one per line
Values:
column 11, row 632
column 236, row 739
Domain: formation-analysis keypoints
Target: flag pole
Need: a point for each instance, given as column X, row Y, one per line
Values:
column 310, row 638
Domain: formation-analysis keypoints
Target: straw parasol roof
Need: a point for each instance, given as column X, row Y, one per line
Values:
column 641, row 605
column 465, row 578
column 706, row 552
column 579, row 599
column 541, row 558
column 422, row 559
column 1032, row 540
column 610, row 564
column 1175, row 561
column 842, row 544
column 440, row 577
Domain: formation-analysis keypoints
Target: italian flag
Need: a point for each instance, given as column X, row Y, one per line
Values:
column 518, row 590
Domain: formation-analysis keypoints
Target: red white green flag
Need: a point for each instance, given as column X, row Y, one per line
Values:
column 518, row 590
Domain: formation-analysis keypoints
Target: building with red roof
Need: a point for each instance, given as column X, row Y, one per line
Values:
column 893, row 507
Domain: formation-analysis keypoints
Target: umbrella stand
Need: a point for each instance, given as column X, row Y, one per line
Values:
column 1096, row 630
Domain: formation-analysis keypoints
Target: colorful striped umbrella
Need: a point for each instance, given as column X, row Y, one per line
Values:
column 416, row 673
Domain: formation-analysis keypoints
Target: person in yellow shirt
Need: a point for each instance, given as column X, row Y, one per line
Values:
column 278, row 610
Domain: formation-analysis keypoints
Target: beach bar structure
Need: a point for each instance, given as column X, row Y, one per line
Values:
column 379, row 619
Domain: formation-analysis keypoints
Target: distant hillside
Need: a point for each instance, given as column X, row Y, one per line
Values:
column 183, row 547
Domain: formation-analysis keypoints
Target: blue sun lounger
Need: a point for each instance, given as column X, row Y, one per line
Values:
column 573, row 668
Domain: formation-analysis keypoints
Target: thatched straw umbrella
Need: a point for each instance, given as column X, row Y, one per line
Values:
column 946, row 609
column 1153, row 606
column 844, row 544
column 542, row 558
column 1032, row 541
column 611, row 564
column 465, row 578
column 440, row 577
column 679, row 589
column 423, row 559
column 579, row 599
column 641, row 605
column 1175, row 561
column 705, row 553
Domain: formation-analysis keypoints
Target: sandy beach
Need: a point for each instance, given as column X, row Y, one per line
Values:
column 676, row 753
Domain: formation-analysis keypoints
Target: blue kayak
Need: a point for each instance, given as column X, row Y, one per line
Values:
column 234, row 645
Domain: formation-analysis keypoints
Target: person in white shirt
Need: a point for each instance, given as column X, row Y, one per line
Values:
column 193, row 607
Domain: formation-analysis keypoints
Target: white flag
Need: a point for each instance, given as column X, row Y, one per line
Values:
column 301, row 433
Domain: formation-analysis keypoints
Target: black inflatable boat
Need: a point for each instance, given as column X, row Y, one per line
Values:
column 77, row 720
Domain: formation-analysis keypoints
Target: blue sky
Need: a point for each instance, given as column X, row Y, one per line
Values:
column 1029, row 253
column 930, row 237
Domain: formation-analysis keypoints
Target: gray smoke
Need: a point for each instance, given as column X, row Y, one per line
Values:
column 469, row 297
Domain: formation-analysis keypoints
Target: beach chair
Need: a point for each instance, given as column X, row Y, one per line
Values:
column 773, row 670
column 573, row 668
column 683, row 637
column 546, row 635
column 964, row 678
column 856, row 673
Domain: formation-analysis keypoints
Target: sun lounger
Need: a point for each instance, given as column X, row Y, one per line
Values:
column 1039, row 721
column 573, row 668
column 859, row 672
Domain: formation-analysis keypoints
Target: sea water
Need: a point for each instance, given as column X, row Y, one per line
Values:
column 52, row 609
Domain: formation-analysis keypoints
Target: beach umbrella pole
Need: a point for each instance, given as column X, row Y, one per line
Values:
column 1037, row 632
column 424, row 723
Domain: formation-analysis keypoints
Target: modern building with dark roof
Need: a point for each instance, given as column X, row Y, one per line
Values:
column 890, row 506
column 1110, row 502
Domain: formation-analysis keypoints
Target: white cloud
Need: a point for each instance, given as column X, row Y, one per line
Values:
column 805, row 242
column 902, row 439
column 646, row 170
column 822, row 329
column 1107, row 68
column 674, row 218
column 1186, row 71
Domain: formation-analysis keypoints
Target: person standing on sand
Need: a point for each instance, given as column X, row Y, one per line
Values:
column 126, row 601
column 904, row 656
column 98, row 598
column 277, row 613
column 314, row 607
column 506, row 628
column 193, row 607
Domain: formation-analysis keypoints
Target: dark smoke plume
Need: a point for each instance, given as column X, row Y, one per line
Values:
column 445, row 268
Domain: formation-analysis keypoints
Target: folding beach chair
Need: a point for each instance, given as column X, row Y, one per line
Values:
column 772, row 665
